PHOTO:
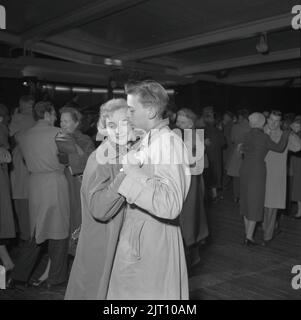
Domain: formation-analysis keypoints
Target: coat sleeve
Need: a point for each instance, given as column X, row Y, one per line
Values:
column 276, row 147
column 163, row 193
column 77, row 161
column 294, row 143
column 102, row 195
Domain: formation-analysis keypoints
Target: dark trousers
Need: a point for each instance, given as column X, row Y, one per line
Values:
column 236, row 187
column 58, row 254
column 22, row 211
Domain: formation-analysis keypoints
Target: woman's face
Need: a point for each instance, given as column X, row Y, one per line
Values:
column 118, row 127
column 184, row 122
column 67, row 123
column 296, row 127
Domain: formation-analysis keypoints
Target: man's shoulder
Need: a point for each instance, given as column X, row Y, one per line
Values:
column 166, row 134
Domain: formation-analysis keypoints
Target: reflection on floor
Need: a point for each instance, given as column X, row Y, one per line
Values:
column 227, row 270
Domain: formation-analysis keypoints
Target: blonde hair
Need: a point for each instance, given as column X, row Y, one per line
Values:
column 108, row 108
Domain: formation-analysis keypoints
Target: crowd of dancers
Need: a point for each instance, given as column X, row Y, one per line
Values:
column 133, row 221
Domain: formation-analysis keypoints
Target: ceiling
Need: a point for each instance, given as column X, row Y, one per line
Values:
column 173, row 41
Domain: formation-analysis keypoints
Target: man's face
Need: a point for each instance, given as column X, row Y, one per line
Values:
column 226, row 118
column 274, row 122
column 138, row 115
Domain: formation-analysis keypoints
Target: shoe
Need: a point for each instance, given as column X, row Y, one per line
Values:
column 46, row 285
column 36, row 283
column 249, row 243
column 41, row 284
column 12, row 283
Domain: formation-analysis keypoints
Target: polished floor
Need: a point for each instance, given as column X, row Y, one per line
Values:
column 228, row 270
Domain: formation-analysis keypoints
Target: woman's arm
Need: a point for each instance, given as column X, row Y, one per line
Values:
column 101, row 193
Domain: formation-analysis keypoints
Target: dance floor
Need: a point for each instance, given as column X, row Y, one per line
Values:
column 228, row 270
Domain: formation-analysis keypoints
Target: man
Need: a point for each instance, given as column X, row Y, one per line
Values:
column 276, row 180
column 214, row 175
column 48, row 199
column 238, row 132
column 150, row 260
column 227, row 124
column 21, row 121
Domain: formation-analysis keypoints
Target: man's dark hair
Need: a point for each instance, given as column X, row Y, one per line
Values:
column 41, row 108
column 276, row 113
column 244, row 113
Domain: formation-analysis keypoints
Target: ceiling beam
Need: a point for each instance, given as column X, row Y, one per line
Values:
column 89, row 59
column 226, row 34
column 96, row 9
column 80, row 40
column 265, row 76
column 40, row 66
column 10, row 38
column 281, row 55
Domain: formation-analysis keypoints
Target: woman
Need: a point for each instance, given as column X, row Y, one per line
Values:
column 255, row 147
column 7, row 226
column 193, row 218
column 102, row 208
column 296, row 171
column 75, row 150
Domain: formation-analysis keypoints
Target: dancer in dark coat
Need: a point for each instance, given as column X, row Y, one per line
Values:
column 256, row 145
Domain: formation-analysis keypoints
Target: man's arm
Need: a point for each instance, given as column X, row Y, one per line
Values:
column 163, row 193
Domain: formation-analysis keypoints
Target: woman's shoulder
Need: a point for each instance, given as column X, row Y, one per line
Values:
column 93, row 166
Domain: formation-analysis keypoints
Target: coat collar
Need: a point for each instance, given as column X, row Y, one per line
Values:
column 43, row 123
column 161, row 124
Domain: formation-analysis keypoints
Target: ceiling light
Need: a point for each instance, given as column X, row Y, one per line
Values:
column 99, row 90
column 262, row 45
column 108, row 61
column 170, row 91
column 60, row 88
column 119, row 91
column 74, row 89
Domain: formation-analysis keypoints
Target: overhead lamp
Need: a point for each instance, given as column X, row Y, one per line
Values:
column 119, row 91
column 99, row 90
column 75, row 89
column 60, row 88
column 170, row 91
column 262, row 44
column 112, row 62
